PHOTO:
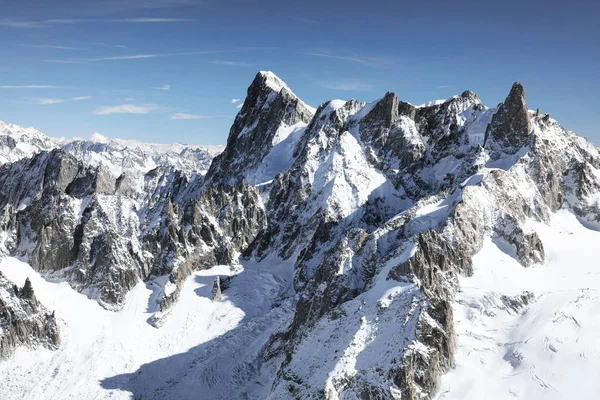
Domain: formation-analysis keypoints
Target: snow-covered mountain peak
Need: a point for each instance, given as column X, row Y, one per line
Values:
column 271, row 120
column 273, row 81
column 117, row 155
column 321, row 257
column 17, row 142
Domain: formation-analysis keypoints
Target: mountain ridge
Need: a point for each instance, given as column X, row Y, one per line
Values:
column 377, row 210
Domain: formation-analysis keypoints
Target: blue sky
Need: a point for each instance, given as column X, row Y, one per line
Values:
column 165, row 71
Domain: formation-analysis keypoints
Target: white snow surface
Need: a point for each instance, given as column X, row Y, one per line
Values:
column 280, row 157
column 99, row 346
column 117, row 155
column 27, row 142
column 549, row 350
column 275, row 83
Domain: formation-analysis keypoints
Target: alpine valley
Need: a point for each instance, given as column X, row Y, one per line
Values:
column 356, row 251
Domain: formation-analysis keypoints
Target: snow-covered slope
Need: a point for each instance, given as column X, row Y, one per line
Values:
column 97, row 344
column 116, row 155
column 530, row 332
column 17, row 142
column 373, row 250
column 119, row 156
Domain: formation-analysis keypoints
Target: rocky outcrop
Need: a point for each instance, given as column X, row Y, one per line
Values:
column 24, row 321
column 511, row 125
column 270, row 107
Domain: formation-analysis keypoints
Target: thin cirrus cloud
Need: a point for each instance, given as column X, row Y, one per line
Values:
column 48, row 23
column 150, row 20
column 30, row 87
column 118, row 46
column 163, row 87
column 140, row 56
column 348, row 86
column 233, row 101
column 368, row 61
column 105, row 7
column 42, row 46
column 44, row 101
column 127, row 109
column 49, row 101
column 233, row 63
column 156, row 55
column 239, row 105
column 184, row 116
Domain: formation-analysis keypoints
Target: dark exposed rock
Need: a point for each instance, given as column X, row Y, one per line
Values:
column 269, row 103
column 517, row 303
column 511, row 125
column 216, row 289
column 24, row 321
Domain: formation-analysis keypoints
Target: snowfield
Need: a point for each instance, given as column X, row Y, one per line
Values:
column 100, row 348
column 546, row 350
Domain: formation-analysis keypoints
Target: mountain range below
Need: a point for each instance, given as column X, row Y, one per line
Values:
column 357, row 250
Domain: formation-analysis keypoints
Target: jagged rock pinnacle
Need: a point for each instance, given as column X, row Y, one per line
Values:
column 27, row 292
column 511, row 125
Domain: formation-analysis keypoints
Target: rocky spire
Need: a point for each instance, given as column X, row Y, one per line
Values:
column 386, row 111
column 27, row 292
column 511, row 125
column 269, row 105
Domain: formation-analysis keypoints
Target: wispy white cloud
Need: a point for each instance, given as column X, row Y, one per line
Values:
column 64, row 61
column 157, row 55
column 127, row 109
column 42, row 46
column 163, row 87
column 150, row 20
column 233, row 63
column 36, row 24
column 442, row 87
column 368, row 61
column 128, row 57
column 12, row 23
column 239, row 105
column 348, row 86
column 195, row 116
column 43, row 101
column 235, row 100
column 48, row 23
column 119, row 46
column 31, row 87
column 139, row 56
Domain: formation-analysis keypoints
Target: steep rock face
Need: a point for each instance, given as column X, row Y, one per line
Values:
column 511, row 125
column 212, row 229
column 271, row 112
column 24, row 321
column 105, row 233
